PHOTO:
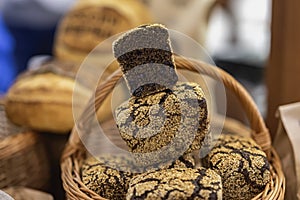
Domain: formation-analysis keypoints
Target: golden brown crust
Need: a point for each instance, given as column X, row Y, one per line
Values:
column 90, row 22
column 43, row 102
column 45, row 117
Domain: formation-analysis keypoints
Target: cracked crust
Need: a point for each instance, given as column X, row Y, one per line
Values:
column 109, row 175
column 150, row 123
column 106, row 181
column 180, row 183
column 242, row 164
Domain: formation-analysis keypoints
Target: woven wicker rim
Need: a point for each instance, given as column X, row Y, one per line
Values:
column 74, row 151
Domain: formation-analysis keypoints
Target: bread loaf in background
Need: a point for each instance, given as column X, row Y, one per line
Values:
column 90, row 22
column 43, row 102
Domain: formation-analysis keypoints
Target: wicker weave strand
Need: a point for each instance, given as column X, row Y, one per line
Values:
column 23, row 162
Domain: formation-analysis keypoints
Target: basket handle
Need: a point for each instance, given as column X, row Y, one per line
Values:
column 259, row 133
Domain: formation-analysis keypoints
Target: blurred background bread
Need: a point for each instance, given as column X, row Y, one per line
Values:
column 43, row 102
column 90, row 22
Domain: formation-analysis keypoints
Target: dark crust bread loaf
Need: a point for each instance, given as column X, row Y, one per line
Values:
column 241, row 163
column 109, row 175
column 150, row 123
column 104, row 176
column 180, row 183
column 146, row 59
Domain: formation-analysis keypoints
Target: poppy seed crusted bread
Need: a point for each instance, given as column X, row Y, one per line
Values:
column 180, row 183
column 241, row 163
column 152, row 122
column 108, row 176
column 146, row 59
column 163, row 116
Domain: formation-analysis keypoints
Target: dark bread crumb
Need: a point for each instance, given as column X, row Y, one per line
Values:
column 146, row 60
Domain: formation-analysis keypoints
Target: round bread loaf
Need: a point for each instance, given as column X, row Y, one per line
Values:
column 43, row 102
column 42, row 97
column 241, row 163
column 179, row 183
column 108, row 176
column 165, row 118
column 90, row 22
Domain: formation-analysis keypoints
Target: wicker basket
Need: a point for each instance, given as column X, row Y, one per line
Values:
column 6, row 127
column 23, row 161
column 75, row 152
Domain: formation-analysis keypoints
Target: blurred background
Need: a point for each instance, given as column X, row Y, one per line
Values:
column 256, row 41
column 236, row 34
column 27, row 28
